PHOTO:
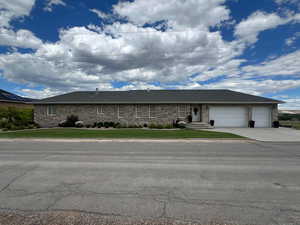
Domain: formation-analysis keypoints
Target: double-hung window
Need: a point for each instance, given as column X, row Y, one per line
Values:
column 51, row 110
column 152, row 111
column 100, row 110
column 121, row 111
column 182, row 111
column 142, row 111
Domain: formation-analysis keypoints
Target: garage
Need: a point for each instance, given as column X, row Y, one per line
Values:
column 229, row 116
column 262, row 116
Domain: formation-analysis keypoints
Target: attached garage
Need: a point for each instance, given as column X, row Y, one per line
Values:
column 229, row 116
column 262, row 116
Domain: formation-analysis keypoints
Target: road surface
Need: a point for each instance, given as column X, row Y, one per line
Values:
column 240, row 182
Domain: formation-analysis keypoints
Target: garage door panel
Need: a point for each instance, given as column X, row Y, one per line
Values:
column 262, row 116
column 229, row 116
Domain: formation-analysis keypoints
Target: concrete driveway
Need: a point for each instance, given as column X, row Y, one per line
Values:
column 265, row 134
column 243, row 182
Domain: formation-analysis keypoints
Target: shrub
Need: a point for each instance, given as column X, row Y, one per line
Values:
column 62, row 123
column 79, row 124
column 115, row 125
column 88, row 126
column 152, row 126
column 118, row 125
column 145, row 125
column 71, row 120
column 111, row 124
column 100, row 124
column 181, row 125
column 168, row 126
column 106, row 124
column 12, row 118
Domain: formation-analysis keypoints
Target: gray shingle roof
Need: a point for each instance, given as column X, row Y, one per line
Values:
column 155, row 96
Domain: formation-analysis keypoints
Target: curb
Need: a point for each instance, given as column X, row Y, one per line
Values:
column 242, row 140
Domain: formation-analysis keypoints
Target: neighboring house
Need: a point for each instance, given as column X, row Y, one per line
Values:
column 8, row 99
column 227, row 108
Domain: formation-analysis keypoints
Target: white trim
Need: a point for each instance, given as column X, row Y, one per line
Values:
column 119, row 117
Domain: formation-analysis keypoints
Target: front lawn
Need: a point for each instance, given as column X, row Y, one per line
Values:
column 117, row 133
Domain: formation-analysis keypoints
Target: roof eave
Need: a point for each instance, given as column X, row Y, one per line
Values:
column 159, row 102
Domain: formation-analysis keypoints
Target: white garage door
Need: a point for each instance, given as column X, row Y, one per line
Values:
column 229, row 116
column 262, row 116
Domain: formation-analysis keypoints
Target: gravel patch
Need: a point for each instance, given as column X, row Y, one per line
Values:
column 79, row 218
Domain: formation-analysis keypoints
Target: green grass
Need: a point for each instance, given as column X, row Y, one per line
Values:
column 293, row 124
column 118, row 133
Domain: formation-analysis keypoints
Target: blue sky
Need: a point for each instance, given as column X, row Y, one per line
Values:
column 49, row 47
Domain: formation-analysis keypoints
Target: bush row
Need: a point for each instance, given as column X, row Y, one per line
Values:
column 73, row 121
column 12, row 118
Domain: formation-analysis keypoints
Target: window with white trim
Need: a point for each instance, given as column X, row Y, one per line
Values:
column 51, row 110
column 100, row 110
column 182, row 111
column 152, row 111
column 121, row 111
column 142, row 111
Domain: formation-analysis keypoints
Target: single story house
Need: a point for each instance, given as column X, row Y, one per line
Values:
column 227, row 108
column 8, row 99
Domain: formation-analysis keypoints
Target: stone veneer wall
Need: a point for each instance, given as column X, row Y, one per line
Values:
column 275, row 113
column 163, row 114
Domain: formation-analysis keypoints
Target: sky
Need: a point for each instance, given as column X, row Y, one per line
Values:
column 50, row 47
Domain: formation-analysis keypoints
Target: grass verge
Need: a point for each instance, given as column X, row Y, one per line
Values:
column 292, row 124
column 118, row 133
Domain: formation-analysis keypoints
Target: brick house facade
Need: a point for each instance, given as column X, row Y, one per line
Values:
column 128, row 114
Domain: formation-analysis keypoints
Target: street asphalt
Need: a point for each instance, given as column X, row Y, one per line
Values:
column 242, row 182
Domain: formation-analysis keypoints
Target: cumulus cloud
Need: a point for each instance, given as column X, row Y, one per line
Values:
column 100, row 14
column 180, row 14
column 84, row 56
column 249, row 29
column 185, row 54
column 291, row 103
column 284, row 65
column 21, row 38
column 13, row 9
column 290, row 2
column 51, row 3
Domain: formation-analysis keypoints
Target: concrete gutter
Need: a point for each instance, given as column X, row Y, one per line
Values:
column 76, row 140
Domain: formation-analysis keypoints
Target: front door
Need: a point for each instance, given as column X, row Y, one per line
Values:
column 196, row 112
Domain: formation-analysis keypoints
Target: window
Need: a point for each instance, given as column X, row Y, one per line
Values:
column 51, row 110
column 121, row 111
column 182, row 111
column 142, row 111
column 152, row 111
column 100, row 110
